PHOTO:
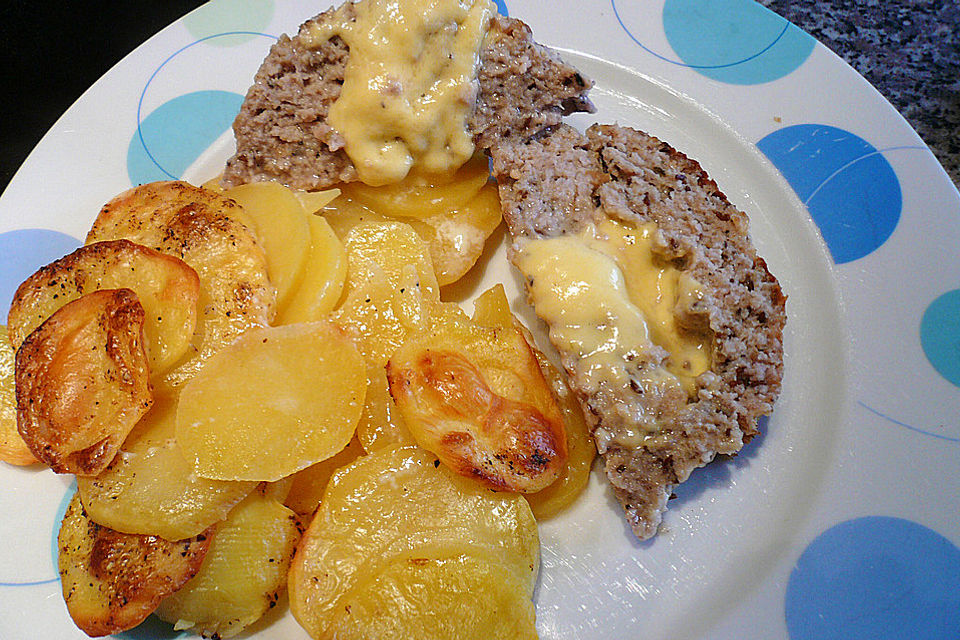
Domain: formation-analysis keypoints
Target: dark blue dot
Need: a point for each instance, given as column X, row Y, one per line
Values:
column 875, row 578
column 22, row 252
column 849, row 188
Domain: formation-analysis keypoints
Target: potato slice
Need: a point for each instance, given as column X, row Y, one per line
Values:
column 388, row 279
column 112, row 581
column 242, row 574
column 456, row 238
column 275, row 401
column 308, row 485
column 280, row 224
column 167, row 288
column 150, row 488
column 323, row 280
column 475, row 396
column 381, row 424
column 453, row 598
column 200, row 227
column 492, row 309
column 396, row 505
column 422, row 195
column 453, row 217
column 13, row 450
column 83, row 381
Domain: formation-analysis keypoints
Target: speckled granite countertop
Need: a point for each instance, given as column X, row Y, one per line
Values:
column 908, row 49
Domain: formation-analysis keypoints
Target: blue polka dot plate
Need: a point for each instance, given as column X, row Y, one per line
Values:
column 840, row 521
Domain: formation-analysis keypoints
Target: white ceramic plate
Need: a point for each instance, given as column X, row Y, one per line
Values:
column 840, row 521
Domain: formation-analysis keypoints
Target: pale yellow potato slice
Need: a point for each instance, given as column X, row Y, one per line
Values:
column 307, row 485
column 13, row 450
column 201, row 228
column 449, row 598
column 167, row 288
column 112, row 581
column 150, row 488
column 400, row 504
column 475, row 396
column 83, row 381
column 381, row 424
column 492, row 309
column 323, row 279
column 421, row 195
column 242, row 574
column 280, row 224
column 273, row 402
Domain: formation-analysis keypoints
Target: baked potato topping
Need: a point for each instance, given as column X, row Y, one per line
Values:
column 83, row 381
column 216, row 374
column 201, row 228
column 166, row 287
column 112, row 581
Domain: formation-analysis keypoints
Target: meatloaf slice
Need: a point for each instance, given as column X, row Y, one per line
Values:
column 561, row 181
column 282, row 132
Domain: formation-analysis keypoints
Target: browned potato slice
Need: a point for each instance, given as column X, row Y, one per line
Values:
column 167, row 288
column 243, row 572
column 13, row 450
column 201, row 228
column 474, row 395
column 112, row 581
column 399, row 504
column 492, row 309
column 308, row 484
column 450, row 598
column 280, row 224
column 275, row 401
column 83, row 381
column 150, row 488
column 323, row 280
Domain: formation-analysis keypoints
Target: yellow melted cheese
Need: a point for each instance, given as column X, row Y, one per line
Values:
column 409, row 84
column 609, row 300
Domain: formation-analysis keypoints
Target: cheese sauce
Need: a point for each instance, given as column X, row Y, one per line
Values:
column 409, row 84
column 607, row 298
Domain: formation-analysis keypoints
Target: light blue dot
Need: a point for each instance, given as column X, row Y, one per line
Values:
column 22, row 252
column 940, row 335
column 849, row 188
column 734, row 41
column 174, row 135
column 502, row 8
column 875, row 578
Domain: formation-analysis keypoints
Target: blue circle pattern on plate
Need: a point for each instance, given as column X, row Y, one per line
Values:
column 502, row 8
column 875, row 578
column 23, row 251
column 174, row 135
column 940, row 335
column 733, row 41
column 850, row 189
